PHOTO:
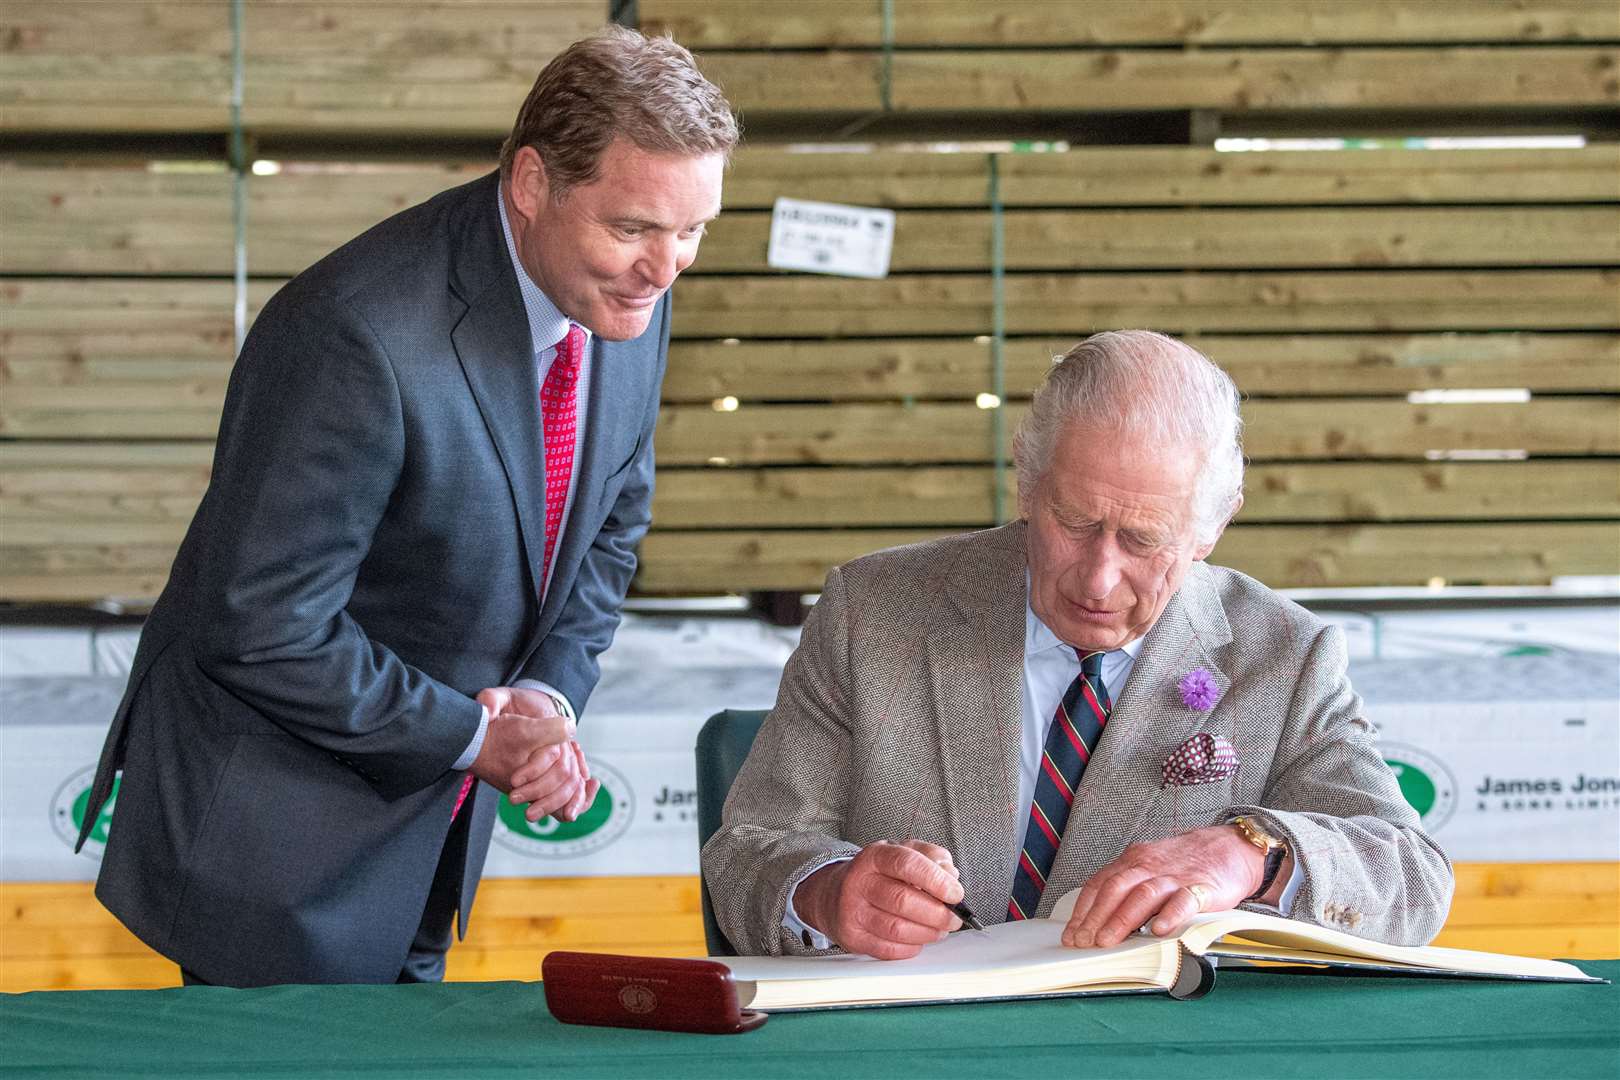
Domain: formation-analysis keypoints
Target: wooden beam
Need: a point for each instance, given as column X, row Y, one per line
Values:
column 961, row 495
column 1203, row 238
column 1176, row 176
column 1231, row 80
column 894, row 368
column 1283, row 556
column 139, row 65
column 745, row 24
column 933, row 433
column 1218, row 301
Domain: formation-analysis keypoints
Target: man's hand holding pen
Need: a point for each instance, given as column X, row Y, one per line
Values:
column 888, row 902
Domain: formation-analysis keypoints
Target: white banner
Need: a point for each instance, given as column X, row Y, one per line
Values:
column 1510, row 748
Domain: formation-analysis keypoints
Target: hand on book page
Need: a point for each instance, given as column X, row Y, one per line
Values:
column 887, row 902
column 1166, row 882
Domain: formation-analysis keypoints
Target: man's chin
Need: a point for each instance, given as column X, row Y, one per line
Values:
column 622, row 326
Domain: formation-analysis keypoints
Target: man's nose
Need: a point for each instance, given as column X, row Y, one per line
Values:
column 1099, row 569
column 661, row 263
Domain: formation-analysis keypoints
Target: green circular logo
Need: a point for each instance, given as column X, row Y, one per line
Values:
column 1426, row 784
column 549, row 829
column 71, row 803
column 607, row 819
column 1416, row 787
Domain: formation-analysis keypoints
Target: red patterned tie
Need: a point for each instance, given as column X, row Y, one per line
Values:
column 1072, row 737
column 559, row 410
column 559, row 415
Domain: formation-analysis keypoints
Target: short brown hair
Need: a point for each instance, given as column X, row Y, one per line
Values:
column 618, row 82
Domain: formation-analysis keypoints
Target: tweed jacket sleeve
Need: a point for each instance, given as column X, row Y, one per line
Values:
column 786, row 811
column 1368, row 866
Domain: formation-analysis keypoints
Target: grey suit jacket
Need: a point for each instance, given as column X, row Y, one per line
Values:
column 367, row 557
column 899, row 717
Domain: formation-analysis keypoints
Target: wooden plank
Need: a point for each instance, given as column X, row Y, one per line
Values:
column 297, row 217
column 893, row 368
column 956, row 495
column 1552, row 942
column 938, row 433
column 1283, row 556
column 961, row 495
column 460, row 68
column 1481, row 490
column 1349, row 301
column 1203, row 238
column 300, row 214
column 140, row 65
column 100, row 220
column 134, row 588
column 76, row 318
column 1239, row 81
column 1229, row 80
column 1301, row 556
column 1140, row 176
column 745, row 24
column 1177, row 176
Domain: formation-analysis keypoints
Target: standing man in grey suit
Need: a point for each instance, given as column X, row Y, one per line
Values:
column 433, row 468
column 1072, row 700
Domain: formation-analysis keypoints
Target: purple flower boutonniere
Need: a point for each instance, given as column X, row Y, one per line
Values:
column 1198, row 690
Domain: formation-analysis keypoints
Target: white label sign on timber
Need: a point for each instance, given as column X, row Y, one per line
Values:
column 827, row 238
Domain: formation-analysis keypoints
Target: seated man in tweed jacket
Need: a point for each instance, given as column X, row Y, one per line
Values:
column 1074, row 699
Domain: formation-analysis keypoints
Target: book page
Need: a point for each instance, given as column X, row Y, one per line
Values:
column 1003, row 945
column 1215, row 931
column 1229, row 929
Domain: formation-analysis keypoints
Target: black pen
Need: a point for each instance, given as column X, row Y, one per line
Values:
column 969, row 920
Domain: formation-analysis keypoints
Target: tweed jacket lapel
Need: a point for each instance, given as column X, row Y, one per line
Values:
column 974, row 661
column 1122, row 783
column 497, row 357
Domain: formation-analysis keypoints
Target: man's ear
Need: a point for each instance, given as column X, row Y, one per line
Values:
column 1204, row 549
column 527, row 183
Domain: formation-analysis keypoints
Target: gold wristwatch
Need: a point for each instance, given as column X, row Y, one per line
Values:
column 1274, row 848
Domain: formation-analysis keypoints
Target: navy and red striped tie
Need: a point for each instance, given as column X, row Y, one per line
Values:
column 1069, row 743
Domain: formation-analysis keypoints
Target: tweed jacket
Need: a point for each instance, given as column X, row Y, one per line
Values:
column 899, row 717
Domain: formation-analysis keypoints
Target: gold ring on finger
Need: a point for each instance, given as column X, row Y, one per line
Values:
column 1200, row 894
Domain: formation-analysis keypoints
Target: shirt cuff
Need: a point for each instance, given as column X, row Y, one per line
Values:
column 1285, row 902
column 809, row 935
column 470, row 755
column 564, row 706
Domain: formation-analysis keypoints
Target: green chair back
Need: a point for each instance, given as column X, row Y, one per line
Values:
column 722, row 747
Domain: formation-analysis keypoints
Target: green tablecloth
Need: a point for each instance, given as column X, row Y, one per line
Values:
column 1251, row 1025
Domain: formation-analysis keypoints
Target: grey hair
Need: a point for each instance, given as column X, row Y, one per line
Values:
column 618, row 83
column 1151, row 387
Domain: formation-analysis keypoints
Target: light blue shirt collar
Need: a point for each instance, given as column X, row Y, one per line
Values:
column 1038, row 638
column 547, row 323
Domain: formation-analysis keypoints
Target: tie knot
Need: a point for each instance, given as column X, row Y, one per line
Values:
column 1091, row 663
column 571, row 349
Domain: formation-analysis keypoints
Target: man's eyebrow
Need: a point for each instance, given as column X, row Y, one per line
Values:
column 648, row 223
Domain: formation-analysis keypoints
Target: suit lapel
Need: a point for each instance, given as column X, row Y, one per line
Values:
column 1148, row 722
column 492, row 342
column 975, row 660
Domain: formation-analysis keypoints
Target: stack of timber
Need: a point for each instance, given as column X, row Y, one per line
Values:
column 386, row 67
column 1334, row 285
column 842, row 58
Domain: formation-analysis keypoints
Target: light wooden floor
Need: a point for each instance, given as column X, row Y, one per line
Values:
column 56, row 936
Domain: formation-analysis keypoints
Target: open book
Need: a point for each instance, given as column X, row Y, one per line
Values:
column 1027, row 959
